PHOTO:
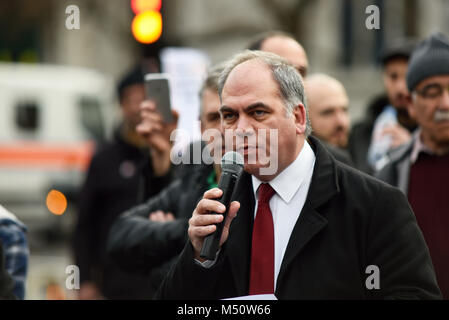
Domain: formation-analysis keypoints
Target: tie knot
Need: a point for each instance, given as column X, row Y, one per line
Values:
column 265, row 192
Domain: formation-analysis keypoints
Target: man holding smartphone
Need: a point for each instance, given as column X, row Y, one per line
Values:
column 122, row 173
column 148, row 238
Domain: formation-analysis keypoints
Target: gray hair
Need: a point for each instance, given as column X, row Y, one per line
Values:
column 210, row 83
column 289, row 80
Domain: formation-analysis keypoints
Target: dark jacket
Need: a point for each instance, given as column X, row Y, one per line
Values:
column 142, row 246
column 349, row 222
column 139, row 245
column 396, row 172
column 116, row 177
column 339, row 154
column 361, row 132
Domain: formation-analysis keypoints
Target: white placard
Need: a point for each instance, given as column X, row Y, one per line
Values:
column 187, row 68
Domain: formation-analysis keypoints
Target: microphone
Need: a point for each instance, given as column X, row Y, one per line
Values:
column 231, row 169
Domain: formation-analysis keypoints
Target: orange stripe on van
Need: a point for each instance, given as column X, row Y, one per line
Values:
column 58, row 156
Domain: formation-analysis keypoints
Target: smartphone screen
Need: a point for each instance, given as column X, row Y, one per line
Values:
column 157, row 88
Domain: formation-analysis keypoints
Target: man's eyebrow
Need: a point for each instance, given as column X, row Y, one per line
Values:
column 225, row 109
column 327, row 110
column 247, row 109
column 301, row 69
column 256, row 105
column 211, row 115
column 433, row 84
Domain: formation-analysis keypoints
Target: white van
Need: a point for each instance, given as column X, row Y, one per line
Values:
column 50, row 118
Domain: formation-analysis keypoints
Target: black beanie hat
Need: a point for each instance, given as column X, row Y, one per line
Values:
column 430, row 58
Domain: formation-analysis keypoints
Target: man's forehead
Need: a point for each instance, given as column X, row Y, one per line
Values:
column 249, row 64
column 395, row 62
column 397, row 67
column 332, row 102
column 319, row 87
column 246, row 73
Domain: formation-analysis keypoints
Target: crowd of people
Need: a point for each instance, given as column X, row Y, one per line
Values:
column 343, row 197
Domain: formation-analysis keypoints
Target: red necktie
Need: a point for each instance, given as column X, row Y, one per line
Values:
column 262, row 250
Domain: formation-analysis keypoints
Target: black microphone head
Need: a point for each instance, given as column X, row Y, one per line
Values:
column 232, row 162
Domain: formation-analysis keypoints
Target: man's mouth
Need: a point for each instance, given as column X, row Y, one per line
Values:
column 246, row 149
column 400, row 100
column 441, row 115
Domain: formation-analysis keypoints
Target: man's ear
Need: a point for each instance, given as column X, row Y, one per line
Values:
column 410, row 105
column 300, row 116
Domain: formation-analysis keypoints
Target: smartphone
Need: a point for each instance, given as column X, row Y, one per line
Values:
column 157, row 88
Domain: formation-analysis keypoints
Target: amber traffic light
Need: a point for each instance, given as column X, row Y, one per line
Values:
column 147, row 24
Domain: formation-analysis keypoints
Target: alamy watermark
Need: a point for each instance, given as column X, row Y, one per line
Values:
column 372, row 22
column 259, row 148
column 373, row 280
column 72, row 21
column 72, row 281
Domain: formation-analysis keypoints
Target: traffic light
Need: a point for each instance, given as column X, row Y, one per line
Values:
column 147, row 24
column 140, row 6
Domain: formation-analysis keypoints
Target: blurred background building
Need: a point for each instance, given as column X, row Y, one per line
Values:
column 89, row 61
column 333, row 32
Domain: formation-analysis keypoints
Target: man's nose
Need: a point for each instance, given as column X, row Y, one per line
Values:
column 342, row 119
column 445, row 99
column 402, row 87
column 244, row 126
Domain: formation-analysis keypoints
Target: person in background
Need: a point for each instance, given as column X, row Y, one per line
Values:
column 420, row 168
column 15, row 249
column 387, row 123
column 328, row 110
column 147, row 238
column 118, row 173
column 285, row 46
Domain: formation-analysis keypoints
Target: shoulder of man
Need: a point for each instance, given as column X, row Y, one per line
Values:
column 391, row 159
column 340, row 154
column 7, row 218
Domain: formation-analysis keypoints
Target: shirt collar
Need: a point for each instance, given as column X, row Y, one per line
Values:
column 418, row 147
column 283, row 184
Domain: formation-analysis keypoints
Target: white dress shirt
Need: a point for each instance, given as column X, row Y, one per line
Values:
column 291, row 186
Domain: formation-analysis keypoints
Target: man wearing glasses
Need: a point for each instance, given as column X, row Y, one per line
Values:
column 421, row 168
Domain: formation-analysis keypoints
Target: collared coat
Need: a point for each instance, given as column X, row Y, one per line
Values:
column 350, row 225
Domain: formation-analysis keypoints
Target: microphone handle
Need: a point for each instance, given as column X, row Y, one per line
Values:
column 212, row 241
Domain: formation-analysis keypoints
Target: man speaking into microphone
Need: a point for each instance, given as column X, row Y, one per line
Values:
column 311, row 228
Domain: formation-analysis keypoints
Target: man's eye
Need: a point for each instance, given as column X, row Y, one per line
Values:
column 228, row 116
column 302, row 71
column 214, row 117
column 259, row 113
column 393, row 76
column 432, row 92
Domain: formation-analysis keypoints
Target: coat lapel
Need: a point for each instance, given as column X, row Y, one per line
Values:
column 323, row 187
column 239, row 241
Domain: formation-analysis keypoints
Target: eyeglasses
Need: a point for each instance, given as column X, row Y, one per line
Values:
column 432, row 91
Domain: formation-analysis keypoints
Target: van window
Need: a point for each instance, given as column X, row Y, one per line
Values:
column 91, row 118
column 27, row 115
